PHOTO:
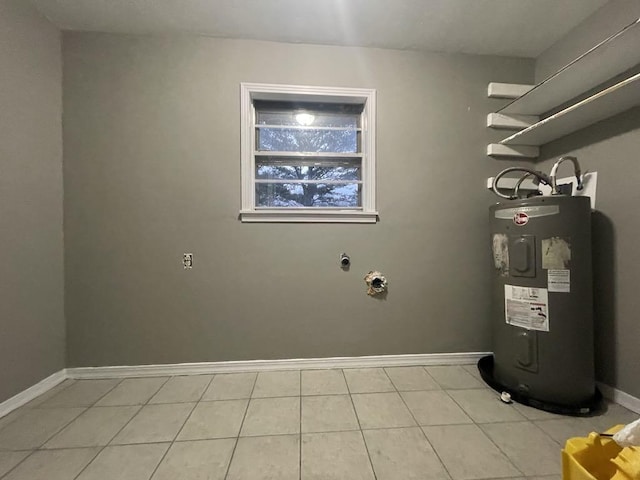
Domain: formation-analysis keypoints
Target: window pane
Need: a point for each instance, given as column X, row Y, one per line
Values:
column 269, row 168
column 308, row 118
column 308, row 114
column 278, row 195
column 307, row 140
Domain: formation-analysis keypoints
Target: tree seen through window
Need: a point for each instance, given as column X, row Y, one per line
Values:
column 329, row 177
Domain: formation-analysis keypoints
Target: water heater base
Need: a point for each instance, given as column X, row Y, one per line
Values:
column 585, row 409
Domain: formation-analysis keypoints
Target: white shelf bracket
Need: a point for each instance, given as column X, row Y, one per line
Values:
column 507, row 90
column 510, row 122
column 512, row 151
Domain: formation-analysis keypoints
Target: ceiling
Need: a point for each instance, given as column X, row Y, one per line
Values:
column 523, row 28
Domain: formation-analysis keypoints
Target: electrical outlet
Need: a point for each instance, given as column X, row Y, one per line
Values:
column 187, row 260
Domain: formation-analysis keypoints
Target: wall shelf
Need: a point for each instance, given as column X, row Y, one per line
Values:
column 618, row 98
column 610, row 58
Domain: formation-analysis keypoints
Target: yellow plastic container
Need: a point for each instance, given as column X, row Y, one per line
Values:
column 599, row 458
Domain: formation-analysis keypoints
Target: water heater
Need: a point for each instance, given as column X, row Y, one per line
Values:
column 542, row 303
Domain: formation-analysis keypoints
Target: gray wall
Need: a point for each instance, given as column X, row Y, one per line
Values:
column 611, row 18
column 611, row 149
column 32, row 328
column 152, row 170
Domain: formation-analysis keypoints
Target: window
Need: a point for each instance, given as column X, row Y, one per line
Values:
column 307, row 154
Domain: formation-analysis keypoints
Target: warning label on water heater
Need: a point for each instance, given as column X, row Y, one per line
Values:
column 526, row 307
column 559, row 281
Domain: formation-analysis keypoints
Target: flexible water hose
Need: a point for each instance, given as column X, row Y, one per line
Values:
column 554, row 172
column 543, row 178
column 516, row 190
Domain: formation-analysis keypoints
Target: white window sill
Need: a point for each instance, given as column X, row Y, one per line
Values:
column 308, row 216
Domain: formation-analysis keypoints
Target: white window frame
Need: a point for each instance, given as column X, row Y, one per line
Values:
column 261, row 91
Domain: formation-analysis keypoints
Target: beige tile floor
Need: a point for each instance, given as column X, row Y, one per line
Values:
column 375, row 423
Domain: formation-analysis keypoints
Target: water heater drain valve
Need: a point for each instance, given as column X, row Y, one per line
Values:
column 376, row 283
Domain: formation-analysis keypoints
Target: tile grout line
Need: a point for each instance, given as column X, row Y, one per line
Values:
column 289, row 434
column 127, row 423
column 474, row 422
column 183, row 423
column 147, row 403
column 373, row 429
column 71, row 383
column 285, row 396
column 142, row 404
column 120, row 380
column 424, row 368
column 504, row 453
column 235, row 445
column 4, row 475
column 478, row 426
column 39, row 448
column 398, row 391
column 101, row 448
column 91, row 405
column 373, row 470
column 17, row 464
column 419, row 426
column 535, row 422
column 370, row 429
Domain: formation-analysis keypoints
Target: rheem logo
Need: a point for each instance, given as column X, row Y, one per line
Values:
column 520, row 218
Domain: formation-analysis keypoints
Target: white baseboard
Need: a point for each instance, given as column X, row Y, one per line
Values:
column 285, row 364
column 621, row 398
column 429, row 359
column 32, row 392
